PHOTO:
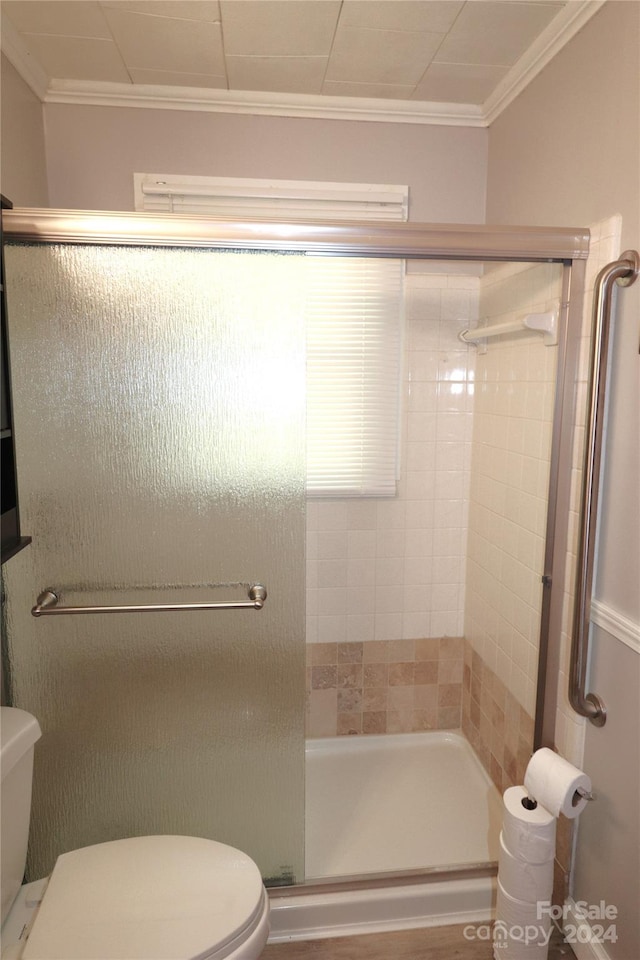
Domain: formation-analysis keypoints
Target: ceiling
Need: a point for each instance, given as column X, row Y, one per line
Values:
column 446, row 51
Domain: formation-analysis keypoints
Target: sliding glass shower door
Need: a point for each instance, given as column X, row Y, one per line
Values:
column 159, row 415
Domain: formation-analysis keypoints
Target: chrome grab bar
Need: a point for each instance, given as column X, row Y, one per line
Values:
column 47, row 605
column 623, row 271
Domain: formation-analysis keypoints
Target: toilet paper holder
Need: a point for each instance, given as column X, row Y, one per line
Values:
column 580, row 794
column 583, row 794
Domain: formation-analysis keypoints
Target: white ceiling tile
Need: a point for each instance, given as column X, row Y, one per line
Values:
column 159, row 43
column 279, row 74
column 381, row 56
column 62, row 18
column 279, row 28
column 78, row 58
column 458, row 82
column 168, row 79
column 208, row 10
column 429, row 16
column 392, row 91
column 494, row 32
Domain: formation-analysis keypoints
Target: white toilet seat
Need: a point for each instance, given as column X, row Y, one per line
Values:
column 152, row 898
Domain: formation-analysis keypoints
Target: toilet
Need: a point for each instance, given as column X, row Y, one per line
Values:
column 142, row 898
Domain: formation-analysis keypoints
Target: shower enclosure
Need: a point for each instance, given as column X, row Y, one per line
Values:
column 159, row 382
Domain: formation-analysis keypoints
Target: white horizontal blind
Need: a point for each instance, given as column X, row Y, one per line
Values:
column 279, row 199
column 354, row 318
column 354, row 310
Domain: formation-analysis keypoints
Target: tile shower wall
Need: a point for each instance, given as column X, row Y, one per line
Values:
column 384, row 686
column 391, row 571
column 496, row 725
column 513, row 414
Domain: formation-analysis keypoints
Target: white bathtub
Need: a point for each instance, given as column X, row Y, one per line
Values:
column 393, row 804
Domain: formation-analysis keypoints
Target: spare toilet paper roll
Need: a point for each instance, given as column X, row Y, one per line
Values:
column 524, row 881
column 521, row 929
column 528, row 835
column 554, row 782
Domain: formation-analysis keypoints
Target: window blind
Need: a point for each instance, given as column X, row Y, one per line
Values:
column 279, row 199
column 354, row 313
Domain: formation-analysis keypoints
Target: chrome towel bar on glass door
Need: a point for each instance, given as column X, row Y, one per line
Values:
column 47, row 605
column 623, row 271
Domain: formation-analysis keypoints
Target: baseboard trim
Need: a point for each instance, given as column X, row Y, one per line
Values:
column 585, row 944
column 381, row 910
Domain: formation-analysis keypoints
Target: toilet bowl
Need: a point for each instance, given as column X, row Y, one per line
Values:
column 151, row 898
column 141, row 898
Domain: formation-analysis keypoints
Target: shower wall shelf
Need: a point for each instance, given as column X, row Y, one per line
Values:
column 47, row 605
column 544, row 323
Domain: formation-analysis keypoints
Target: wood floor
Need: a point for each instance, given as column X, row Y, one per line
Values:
column 432, row 943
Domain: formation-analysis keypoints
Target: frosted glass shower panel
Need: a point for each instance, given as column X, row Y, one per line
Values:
column 159, row 399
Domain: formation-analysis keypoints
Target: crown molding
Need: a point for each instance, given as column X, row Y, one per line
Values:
column 24, row 62
column 563, row 28
column 156, row 97
column 544, row 48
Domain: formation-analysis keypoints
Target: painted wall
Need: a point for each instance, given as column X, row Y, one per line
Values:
column 93, row 153
column 23, row 165
column 567, row 152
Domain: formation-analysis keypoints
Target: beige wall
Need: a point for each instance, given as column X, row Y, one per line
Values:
column 567, row 152
column 23, row 166
column 93, row 153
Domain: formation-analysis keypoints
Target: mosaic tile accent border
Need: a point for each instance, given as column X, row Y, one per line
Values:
column 501, row 732
column 498, row 728
column 384, row 686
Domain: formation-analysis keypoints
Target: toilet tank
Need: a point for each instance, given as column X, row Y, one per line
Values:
column 18, row 734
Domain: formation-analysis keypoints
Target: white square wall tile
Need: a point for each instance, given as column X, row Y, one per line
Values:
column 420, row 485
column 390, row 542
column 417, row 599
column 332, row 629
column 332, row 545
column 390, row 514
column 422, row 334
column 362, row 515
column 418, row 544
column 361, row 544
column 360, row 627
column 361, row 600
column 420, row 514
column 361, row 573
column 332, row 601
column 423, row 303
column 418, row 571
column 331, row 573
column 332, row 515
column 389, row 571
column 388, row 626
column 422, row 396
column 416, row 625
column 389, row 600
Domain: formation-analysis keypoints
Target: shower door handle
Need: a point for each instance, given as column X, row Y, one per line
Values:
column 47, row 605
column 623, row 271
